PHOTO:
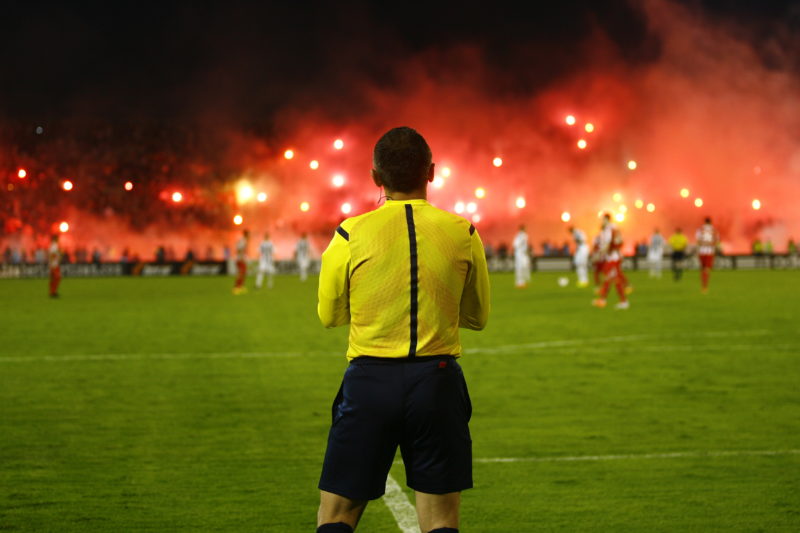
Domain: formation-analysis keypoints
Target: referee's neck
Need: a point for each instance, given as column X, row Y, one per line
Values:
column 417, row 194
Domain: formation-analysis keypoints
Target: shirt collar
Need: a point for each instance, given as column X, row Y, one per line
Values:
column 415, row 201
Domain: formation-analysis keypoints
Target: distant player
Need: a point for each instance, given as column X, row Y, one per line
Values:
column 522, row 259
column 597, row 263
column 266, row 263
column 54, row 260
column 302, row 254
column 611, row 250
column 581, row 257
column 678, row 242
column 707, row 240
column 655, row 254
column 241, row 263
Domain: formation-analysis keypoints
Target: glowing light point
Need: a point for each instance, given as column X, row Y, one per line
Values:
column 238, row 220
column 651, row 207
column 262, row 197
column 314, row 165
column 589, row 127
column 244, row 193
column 338, row 144
column 446, row 171
column 520, row 203
column 305, row 206
column 21, row 173
column 128, row 186
column 756, row 204
column 472, row 207
column 638, row 203
column 570, row 120
column 619, row 217
column 480, row 192
column 67, row 185
column 288, row 154
column 582, row 144
column 438, row 182
column 497, row 161
column 459, row 207
column 684, row 193
column 476, row 218
column 623, row 208
column 698, row 202
column 617, row 197
column 177, row 197
column 63, row 227
column 565, row 216
column 632, row 165
column 346, row 208
column 337, row 180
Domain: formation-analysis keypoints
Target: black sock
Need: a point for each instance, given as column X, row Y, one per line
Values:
column 338, row 527
column 444, row 530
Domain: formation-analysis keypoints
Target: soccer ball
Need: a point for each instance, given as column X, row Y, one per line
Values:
column 563, row 281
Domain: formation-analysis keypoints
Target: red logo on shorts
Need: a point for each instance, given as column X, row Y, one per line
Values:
column 442, row 364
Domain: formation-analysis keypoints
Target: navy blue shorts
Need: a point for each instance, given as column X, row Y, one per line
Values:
column 420, row 404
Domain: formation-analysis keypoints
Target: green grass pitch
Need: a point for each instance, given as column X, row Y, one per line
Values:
column 172, row 405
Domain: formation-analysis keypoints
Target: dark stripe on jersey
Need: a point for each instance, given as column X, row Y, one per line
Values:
column 471, row 229
column 340, row 230
column 412, row 240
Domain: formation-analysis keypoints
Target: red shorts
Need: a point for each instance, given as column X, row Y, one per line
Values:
column 706, row 261
column 612, row 268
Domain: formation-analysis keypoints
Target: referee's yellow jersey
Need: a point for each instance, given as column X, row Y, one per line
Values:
column 405, row 277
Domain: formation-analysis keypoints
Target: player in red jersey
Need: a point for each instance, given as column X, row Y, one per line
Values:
column 707, row 241
column 611, row 252
column 597, row 263
column 241, row 263
column 54, row 260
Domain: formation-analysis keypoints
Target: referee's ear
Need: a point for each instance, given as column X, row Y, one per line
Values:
column 431, row 172
column 376, row 177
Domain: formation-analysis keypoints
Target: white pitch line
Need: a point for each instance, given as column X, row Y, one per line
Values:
column 636, row 456
column 404, row 513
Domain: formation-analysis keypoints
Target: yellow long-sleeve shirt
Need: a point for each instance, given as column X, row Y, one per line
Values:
column 678, row 242
column 405, row 277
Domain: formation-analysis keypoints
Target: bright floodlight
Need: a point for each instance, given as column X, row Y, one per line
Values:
column 638, row 203
column 288, row 154
column 617, row 197
column 446, row 172
column 589, row 127
column 244, row 193
column 582, row 144
column 21, row 173
column 565, row 216
column 128, row 185
column 480, row 192
column 756, row 204
column 337, row 180
column 698, row 202
column 472, row 207
column 476, row 218
column 338, row 144
column 314, row 165
column 177, row 197
column 63, row 227
column 305, row 206
column 238, row 220
column 459, row 207
column 570, row 120
column 346, row 208
column 684, row 193
column 632, row 164
column 262, row 197
column 623, row 208
column 651, row 207
column 619, row 217
column 520, row 203
column 67, row 185
column 497, row 161
column 438, row 182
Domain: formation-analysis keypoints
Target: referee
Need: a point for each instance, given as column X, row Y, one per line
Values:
column 405, row 277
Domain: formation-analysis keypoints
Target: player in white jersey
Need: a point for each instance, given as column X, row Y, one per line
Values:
column 581, row 257
column 655, row 254
column 707, row 240
column 302, row 254
column 241, row 263
column 266, row 262
column 522, row 259
column 54, row 261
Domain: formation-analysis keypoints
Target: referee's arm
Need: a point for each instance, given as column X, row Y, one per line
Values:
column 334, row 281
column 475, row 299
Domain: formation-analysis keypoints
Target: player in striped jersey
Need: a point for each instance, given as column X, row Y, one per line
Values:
column 611, row 250
column 581, row 257
column 707, row 241
column 266, row 263
column 405, row 277
column 241, row 263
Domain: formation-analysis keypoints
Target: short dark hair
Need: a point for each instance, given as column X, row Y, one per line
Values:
column 402, row 158
column 708, row 220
